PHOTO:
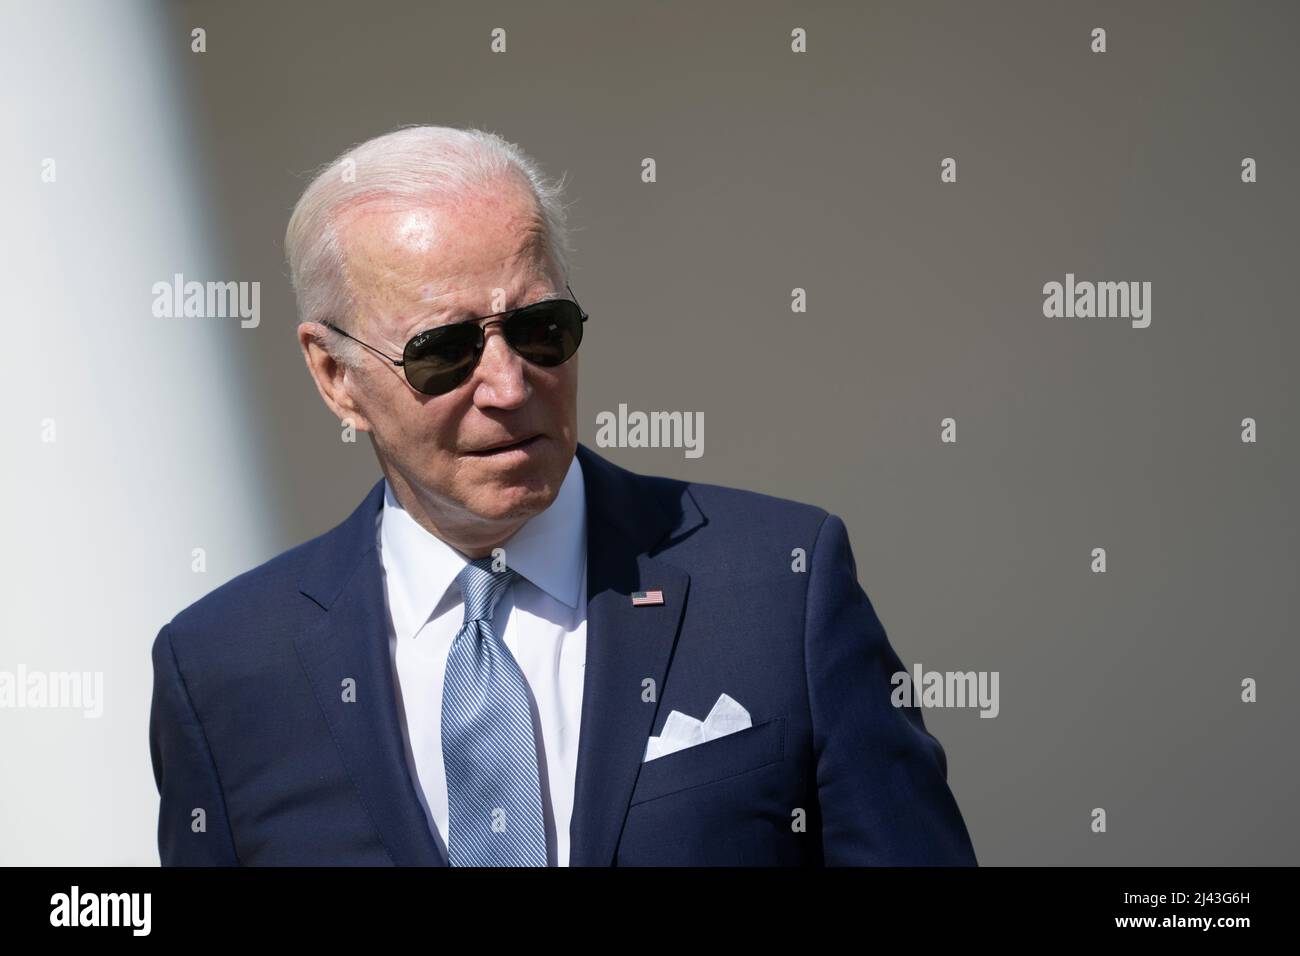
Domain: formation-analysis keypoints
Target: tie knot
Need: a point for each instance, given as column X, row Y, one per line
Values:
column 482, row 587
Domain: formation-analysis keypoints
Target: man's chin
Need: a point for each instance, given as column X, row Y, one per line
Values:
column 512, row 506
column 513, row 493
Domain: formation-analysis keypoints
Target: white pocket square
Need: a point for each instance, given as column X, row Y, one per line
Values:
column 681, row 731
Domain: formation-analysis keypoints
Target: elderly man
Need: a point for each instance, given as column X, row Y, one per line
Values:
column 514, row 652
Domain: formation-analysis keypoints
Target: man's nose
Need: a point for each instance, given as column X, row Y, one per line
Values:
column 501, row 370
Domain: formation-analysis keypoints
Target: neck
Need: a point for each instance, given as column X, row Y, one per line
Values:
column 468, row 533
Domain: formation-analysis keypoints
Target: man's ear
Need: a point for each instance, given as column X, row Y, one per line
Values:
column 333, row 379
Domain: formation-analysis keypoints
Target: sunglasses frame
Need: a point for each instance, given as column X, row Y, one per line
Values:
column 500, row 319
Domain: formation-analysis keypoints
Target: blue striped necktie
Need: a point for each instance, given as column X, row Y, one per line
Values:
column 494, row 797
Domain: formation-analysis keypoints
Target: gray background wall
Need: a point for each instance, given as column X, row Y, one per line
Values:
column 821, row 171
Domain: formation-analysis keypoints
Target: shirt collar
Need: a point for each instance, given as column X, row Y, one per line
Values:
column 549, row 551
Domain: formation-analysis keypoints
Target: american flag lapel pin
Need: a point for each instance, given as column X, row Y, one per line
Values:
column 644, row 598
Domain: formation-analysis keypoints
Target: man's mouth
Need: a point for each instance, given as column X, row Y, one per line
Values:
column 521, row 445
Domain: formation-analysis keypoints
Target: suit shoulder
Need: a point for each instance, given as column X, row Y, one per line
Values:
column 727, row 501
column 245, row 597
column 272, row 588
column 739, row 521
column 723, row 507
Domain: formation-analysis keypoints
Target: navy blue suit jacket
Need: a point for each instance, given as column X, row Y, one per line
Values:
column 249, row 725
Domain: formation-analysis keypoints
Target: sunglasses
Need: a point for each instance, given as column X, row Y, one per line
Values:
column 440, row 359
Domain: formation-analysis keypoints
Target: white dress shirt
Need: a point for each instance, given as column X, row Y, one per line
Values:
column 542, row 618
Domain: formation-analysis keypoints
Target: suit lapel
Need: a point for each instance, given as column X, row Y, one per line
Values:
column 626, row 646
column 351, row 641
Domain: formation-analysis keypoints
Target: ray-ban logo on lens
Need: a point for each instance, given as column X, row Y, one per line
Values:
column 208, row 300
column 651, row 430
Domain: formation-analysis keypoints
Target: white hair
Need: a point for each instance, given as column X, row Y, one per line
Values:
column 411, row 165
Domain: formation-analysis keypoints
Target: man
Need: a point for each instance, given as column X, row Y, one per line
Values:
column 514, row 652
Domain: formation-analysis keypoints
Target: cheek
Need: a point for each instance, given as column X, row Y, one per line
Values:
column 566, row 384
column 412, row 429
column 435, row 427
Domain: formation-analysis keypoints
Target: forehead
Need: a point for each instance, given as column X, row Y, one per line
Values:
column 446, row 254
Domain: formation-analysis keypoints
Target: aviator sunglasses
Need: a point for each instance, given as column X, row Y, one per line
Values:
column 437, row 360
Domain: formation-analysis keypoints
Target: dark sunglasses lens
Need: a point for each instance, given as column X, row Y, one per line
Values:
column 547, row 333
column 438, row 360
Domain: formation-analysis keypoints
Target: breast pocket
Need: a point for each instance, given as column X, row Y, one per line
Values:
column 711, row 761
